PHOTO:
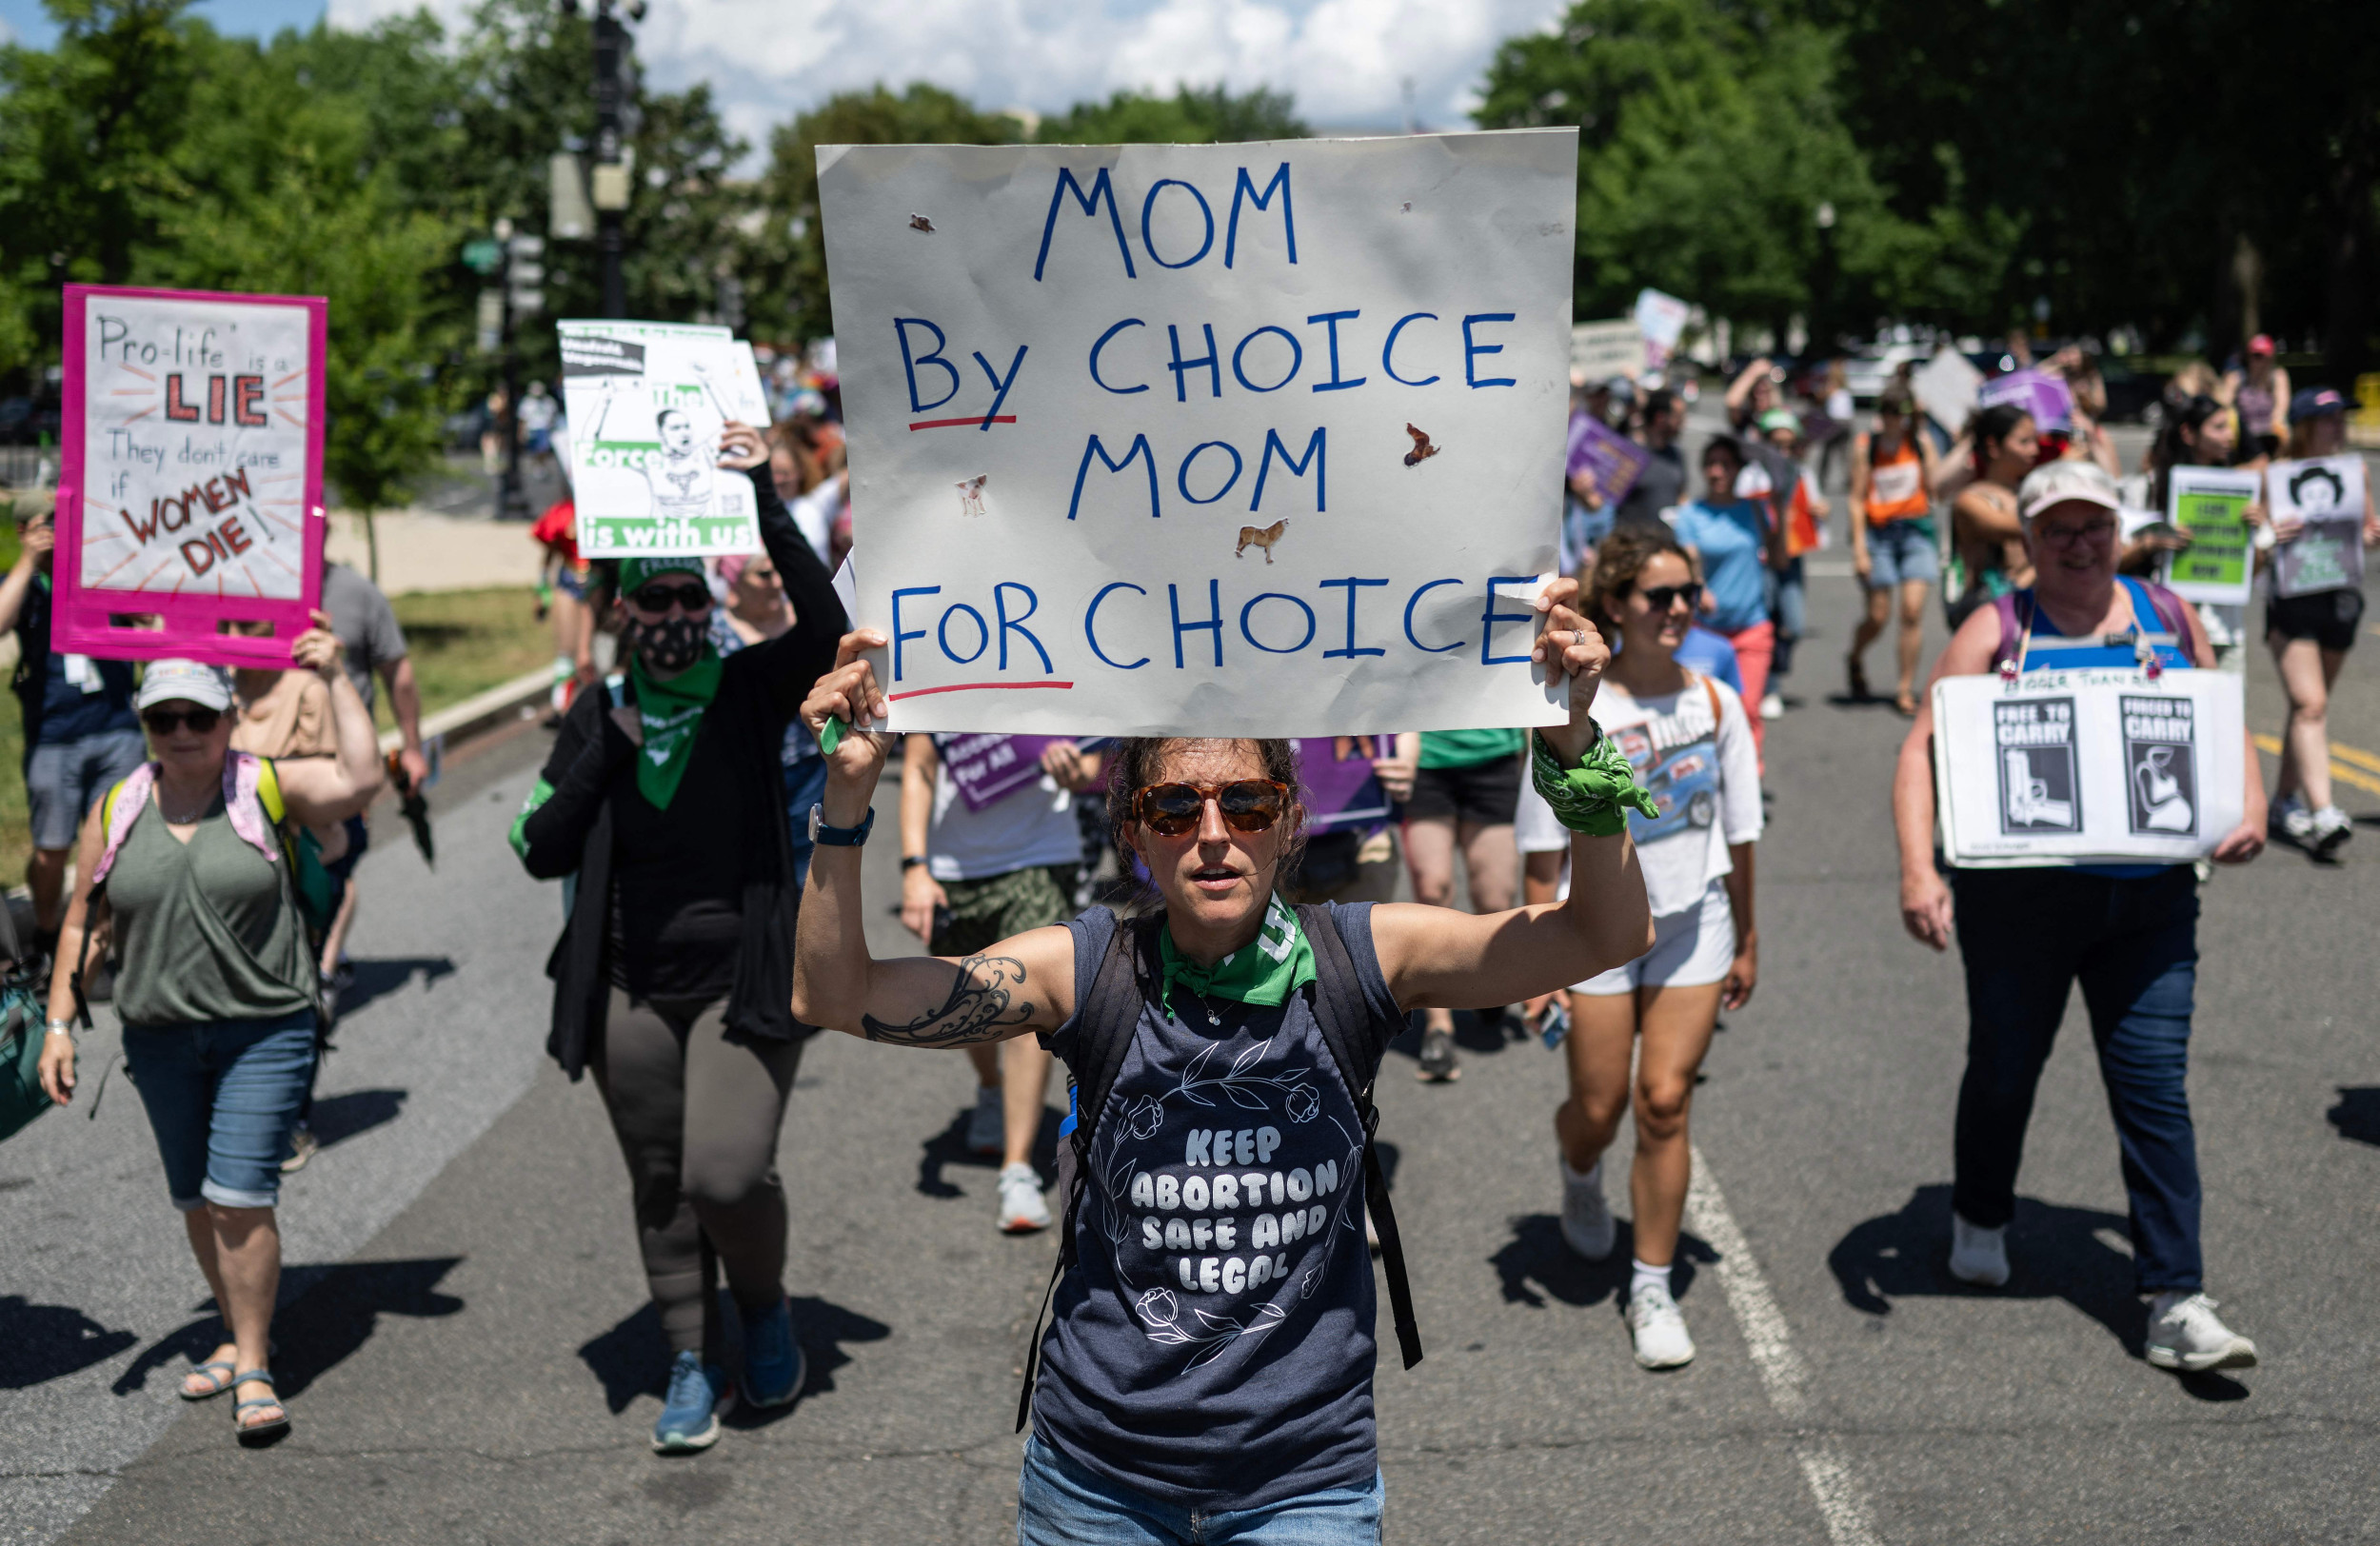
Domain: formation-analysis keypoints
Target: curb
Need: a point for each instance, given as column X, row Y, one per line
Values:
column 502, row 705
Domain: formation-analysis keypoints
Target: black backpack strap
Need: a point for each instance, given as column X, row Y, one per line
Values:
column 1106, row 1023
column 1358, row 1040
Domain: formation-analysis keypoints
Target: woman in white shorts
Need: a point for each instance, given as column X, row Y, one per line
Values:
column 1691, row 745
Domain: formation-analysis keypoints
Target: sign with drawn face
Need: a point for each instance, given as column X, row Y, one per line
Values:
column 646, row 402
column 2088, row 766
column 1247, row 439
column 2326, row 493
column 190, row 485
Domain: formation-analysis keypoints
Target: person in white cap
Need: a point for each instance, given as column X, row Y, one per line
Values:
column 2129, row 933
column 191, row 862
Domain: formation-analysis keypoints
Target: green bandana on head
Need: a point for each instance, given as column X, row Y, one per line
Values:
column 672, row 712
column 1266, row 972
column 634, row 572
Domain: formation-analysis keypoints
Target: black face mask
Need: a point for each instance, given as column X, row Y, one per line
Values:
column 672, row 645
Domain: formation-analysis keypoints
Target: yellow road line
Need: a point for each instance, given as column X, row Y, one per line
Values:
column 2361, row 758
column 2340, row 772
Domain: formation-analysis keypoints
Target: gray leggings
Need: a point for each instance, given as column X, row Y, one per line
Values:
column 697, row 1117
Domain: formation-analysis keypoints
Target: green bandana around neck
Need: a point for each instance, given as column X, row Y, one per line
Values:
column 671, row 711
column 1263, row 972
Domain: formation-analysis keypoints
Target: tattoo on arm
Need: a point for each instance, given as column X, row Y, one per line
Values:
column 978, row 1009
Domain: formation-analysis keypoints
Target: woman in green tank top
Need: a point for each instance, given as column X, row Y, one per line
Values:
column 217, row 987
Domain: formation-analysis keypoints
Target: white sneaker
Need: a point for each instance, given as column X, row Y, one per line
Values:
column 1772, row 706
column 1659, row 1330
column 2293, row 819
column 2187, row 1335
column 1022, row 1207
column 1587, row 1226
column 1978, row 1256
column 2331, row 829
column 987, row 1127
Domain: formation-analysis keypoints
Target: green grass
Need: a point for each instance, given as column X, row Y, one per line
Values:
column 463, row 642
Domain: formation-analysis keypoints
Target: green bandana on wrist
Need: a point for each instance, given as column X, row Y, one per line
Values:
column 1596, row 797
column 671, row 711
column 1266, row 972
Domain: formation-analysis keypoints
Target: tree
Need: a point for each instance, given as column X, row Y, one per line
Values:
column 786, row 261
column 1707, row 141
column 1191, row 116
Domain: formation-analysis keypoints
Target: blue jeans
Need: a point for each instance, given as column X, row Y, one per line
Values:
column 221, row 1096
column 2028, row 936
column 1788, row 603
column 1060, row 1504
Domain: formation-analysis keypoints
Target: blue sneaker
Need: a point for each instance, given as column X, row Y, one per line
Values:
column 774, row 1368
column 689, row 1418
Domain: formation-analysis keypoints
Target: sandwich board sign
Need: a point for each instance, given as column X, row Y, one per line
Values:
column 190, row 482
column 2088, row 766
column 1258, row 439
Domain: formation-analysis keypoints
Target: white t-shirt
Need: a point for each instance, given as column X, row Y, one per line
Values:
column 1704, row 776
column 1035, row 825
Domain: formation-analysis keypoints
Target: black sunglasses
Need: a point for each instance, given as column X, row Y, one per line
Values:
column 1173, row 810
column 659, row 599
column 164, row 721
column 1661, row 598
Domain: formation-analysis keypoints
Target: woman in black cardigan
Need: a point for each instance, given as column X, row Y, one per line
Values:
column 674, row 975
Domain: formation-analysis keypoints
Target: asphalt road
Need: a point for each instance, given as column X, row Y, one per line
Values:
column 468, row 1356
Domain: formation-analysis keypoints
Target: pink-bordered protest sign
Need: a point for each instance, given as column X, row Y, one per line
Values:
column 191, row 486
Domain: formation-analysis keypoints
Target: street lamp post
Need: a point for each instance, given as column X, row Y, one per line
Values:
column 611, row 171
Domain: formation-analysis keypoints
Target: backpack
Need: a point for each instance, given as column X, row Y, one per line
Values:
column 1109, row 1019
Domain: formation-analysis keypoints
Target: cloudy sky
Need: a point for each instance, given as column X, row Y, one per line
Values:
column 1347, row 61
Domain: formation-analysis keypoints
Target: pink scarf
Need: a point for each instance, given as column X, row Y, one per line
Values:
column 241, row 772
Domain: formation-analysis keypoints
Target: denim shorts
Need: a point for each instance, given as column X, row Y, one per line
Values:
column 1058, row 1503
column 221, row 1096
column 64, row 778
column 1900, row 551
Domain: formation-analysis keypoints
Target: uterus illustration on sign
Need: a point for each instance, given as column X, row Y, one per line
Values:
column 2164, row 805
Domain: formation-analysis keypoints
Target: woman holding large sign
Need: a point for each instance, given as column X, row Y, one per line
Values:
column 1209, row 1372
column 191, row 862
column 664, row 795
column 2127, row 932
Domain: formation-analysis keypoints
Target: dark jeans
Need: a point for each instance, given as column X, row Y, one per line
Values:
column 2028, row 936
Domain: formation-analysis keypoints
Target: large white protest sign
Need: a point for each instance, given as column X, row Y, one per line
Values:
column 646, row 401
column 2322, row 498
column 2069, row 767
column 191, row 485
column 1248, row 438
column 1946, row 388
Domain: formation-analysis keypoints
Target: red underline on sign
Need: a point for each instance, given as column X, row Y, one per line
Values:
column 946, row 424
column 971, row 687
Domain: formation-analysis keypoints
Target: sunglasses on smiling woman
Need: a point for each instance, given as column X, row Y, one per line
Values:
column 1173, row 810
column 164, row 721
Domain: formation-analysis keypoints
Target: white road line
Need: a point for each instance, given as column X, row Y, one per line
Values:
column 1783, row 1373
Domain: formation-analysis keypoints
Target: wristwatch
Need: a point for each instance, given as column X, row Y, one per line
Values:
column 910, row 862
column 839, row 837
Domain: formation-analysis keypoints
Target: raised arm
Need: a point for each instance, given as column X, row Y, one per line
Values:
column 797, row 657
column 1023, row 983
column 1435, row 957
column 321, row 790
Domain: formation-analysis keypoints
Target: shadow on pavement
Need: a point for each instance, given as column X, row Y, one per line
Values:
column 632, row 1359
column 338, row 1117
column 1536, row 1265
column 325, row 1314
column 46, row 1341
column 378, row 978
column 2357, row 1115
column 2053, row 1252
column 950, row 1147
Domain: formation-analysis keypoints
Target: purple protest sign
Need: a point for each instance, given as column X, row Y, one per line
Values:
column 1610, row 461
column 1343, row 794
column 989, row 768
column 2046, row 397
